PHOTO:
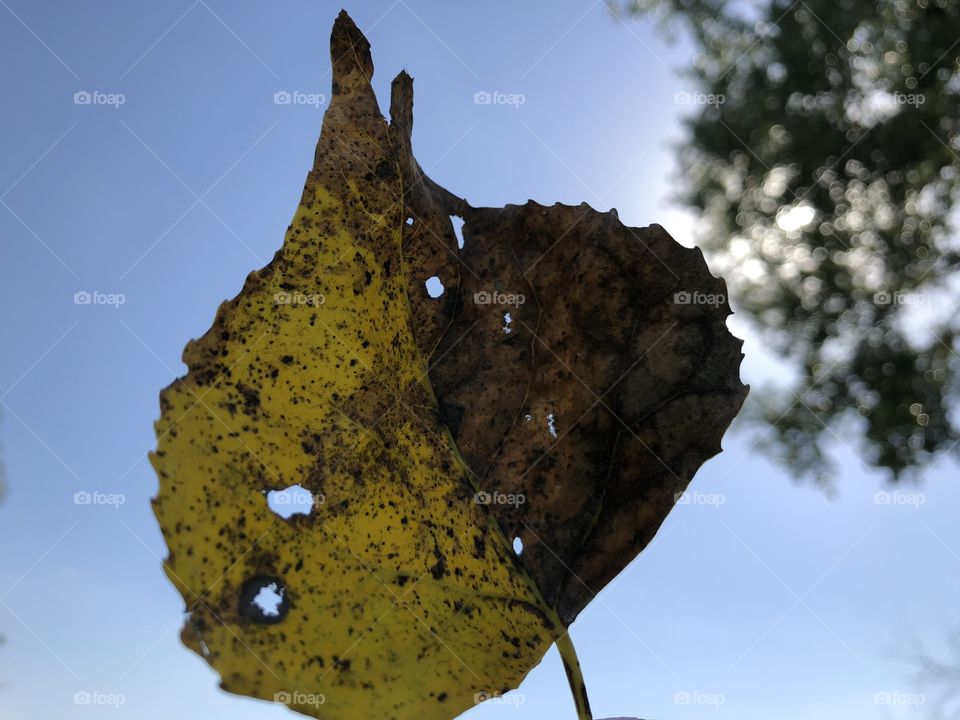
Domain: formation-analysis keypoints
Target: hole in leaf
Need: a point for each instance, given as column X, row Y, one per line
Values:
column 507, row 319
column 268, row 599
column 409, row 221
column 264, row 600
column 552, row 424
column 518, row 545
column 434, row 287
column 458, row 229
column 294, row 500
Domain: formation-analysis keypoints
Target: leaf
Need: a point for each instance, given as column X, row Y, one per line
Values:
column 602, row 400
column 397, row 592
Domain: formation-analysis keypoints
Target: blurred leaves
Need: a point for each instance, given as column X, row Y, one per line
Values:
column 823, row 155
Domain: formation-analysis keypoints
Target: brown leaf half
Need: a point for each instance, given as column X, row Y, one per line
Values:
column 582, row 366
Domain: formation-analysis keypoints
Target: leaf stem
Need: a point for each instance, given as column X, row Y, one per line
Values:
column 571, row 665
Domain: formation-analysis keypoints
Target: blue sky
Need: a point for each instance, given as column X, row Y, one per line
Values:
column 759, row 598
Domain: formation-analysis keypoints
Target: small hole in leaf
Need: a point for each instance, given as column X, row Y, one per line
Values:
column 552, row 424
column 507, row 319
column 434, row 287
column 264, row 600
column 294, row 500
column 458, row 229
column 268, row 599
column 518, row 545
column 409, row 221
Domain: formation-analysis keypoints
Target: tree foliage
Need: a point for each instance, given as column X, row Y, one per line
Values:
column 823, row 157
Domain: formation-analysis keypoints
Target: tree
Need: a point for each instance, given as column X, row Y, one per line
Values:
column 823, row 158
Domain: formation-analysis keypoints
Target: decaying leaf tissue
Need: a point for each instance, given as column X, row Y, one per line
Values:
column 559, row 391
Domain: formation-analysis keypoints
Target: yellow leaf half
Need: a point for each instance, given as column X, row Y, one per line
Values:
column 399, row 597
